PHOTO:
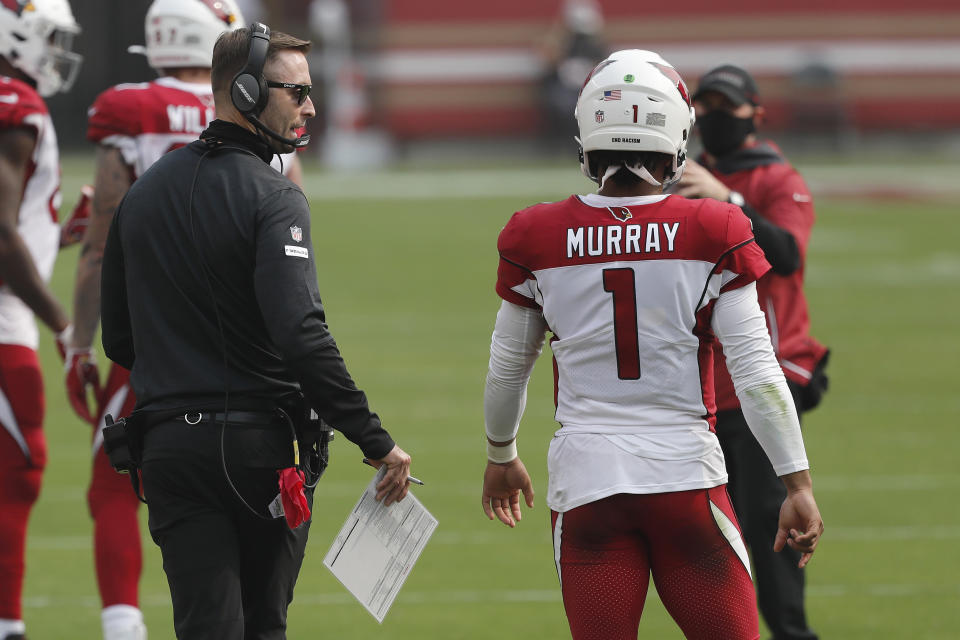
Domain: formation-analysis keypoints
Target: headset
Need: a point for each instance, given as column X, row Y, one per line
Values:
column 249, row 91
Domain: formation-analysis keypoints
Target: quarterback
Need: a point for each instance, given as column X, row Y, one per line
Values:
column 636, row 286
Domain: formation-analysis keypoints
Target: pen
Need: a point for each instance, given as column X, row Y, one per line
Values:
column 366, row 461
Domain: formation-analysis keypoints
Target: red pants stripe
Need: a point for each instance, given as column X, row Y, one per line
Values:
column 113, row 507
column 21, row 385
column 607, row 550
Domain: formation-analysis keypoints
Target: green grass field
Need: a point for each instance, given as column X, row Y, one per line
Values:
column 407, row 278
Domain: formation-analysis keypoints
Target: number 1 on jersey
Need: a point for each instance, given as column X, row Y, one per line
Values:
column 622, row 284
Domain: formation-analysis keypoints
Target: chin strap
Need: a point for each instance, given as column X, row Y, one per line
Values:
column 636, row 169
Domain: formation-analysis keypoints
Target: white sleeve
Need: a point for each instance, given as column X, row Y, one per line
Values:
column 516, row 343
column 765, row 399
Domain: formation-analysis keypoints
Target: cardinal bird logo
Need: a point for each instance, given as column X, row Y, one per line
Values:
column 18, row 6
column 675, row 78
column 221, row 10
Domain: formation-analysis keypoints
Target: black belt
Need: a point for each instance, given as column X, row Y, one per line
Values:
column 233, row 417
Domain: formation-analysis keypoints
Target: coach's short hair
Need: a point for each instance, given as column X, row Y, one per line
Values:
column 231, row 51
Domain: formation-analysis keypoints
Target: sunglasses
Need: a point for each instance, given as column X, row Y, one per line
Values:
column 303, row 90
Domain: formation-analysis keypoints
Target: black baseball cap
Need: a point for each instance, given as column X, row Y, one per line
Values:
column 732, row 81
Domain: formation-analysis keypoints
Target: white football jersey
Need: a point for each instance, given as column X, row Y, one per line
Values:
column 627, row 287
column 22, row 106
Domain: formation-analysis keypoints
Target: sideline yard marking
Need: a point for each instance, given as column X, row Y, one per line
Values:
column 494, row 596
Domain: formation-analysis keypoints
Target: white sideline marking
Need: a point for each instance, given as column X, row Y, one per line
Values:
column 933, row 269
column 896, row 533
column 494, row 596
column 918, row 482
column 823, row 482
column 560, row 182
column 457, row 538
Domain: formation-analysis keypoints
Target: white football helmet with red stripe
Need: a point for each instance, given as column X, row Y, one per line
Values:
column 181, row 33
column 36, row 37
column 634, row 101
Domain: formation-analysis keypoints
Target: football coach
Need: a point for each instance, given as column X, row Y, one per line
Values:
column 210, row 298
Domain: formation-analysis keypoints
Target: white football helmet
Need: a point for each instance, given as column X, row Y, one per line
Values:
column 634, row 101
column 36, row 37
column 181, row 33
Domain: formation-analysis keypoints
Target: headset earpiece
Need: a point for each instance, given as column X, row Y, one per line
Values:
column 248, row 90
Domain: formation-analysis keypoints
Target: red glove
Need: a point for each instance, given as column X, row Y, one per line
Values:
column 295, row 506
column 82, row 376
column 73, row 228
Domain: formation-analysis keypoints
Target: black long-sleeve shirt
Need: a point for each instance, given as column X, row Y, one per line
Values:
column 209, row 257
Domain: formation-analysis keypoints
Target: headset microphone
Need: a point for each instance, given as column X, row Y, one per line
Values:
column 249, row 90
column 297, row 143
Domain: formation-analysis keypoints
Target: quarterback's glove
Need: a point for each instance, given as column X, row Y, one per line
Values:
column 73, row 228
column 82, row 376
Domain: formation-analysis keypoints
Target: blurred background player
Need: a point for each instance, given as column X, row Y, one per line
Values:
column 636, row 286
column 35, row 60
column 573, row 48
column 134, row 125
column 754, row 175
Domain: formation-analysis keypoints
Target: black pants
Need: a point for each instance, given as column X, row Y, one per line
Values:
column 231, row 573
column 757, row 494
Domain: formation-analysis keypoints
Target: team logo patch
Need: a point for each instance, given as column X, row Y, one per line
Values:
column 296, row 233
column 620, row 213
column 599, row 115
column 221, row 11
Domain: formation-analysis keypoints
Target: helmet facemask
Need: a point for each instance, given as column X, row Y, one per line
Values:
column 37, row 39
column 62, row 64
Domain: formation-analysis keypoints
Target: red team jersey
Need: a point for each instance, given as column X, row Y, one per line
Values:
column 22, row 107
column 628, row 286
column 628, row 293
column 148, row 119
column 780, row 195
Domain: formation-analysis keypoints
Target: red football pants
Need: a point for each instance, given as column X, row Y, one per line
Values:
column 113, row 506
column 607, row 550
column 23, row 454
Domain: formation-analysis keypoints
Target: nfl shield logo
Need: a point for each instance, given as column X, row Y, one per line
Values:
column 296, row 233
column 599, row 116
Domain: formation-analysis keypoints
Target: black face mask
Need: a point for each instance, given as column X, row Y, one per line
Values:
column 722, row 132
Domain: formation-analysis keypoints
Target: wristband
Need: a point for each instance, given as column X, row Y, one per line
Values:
column 736, row 198
column 502, row 455
column 65, row 336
